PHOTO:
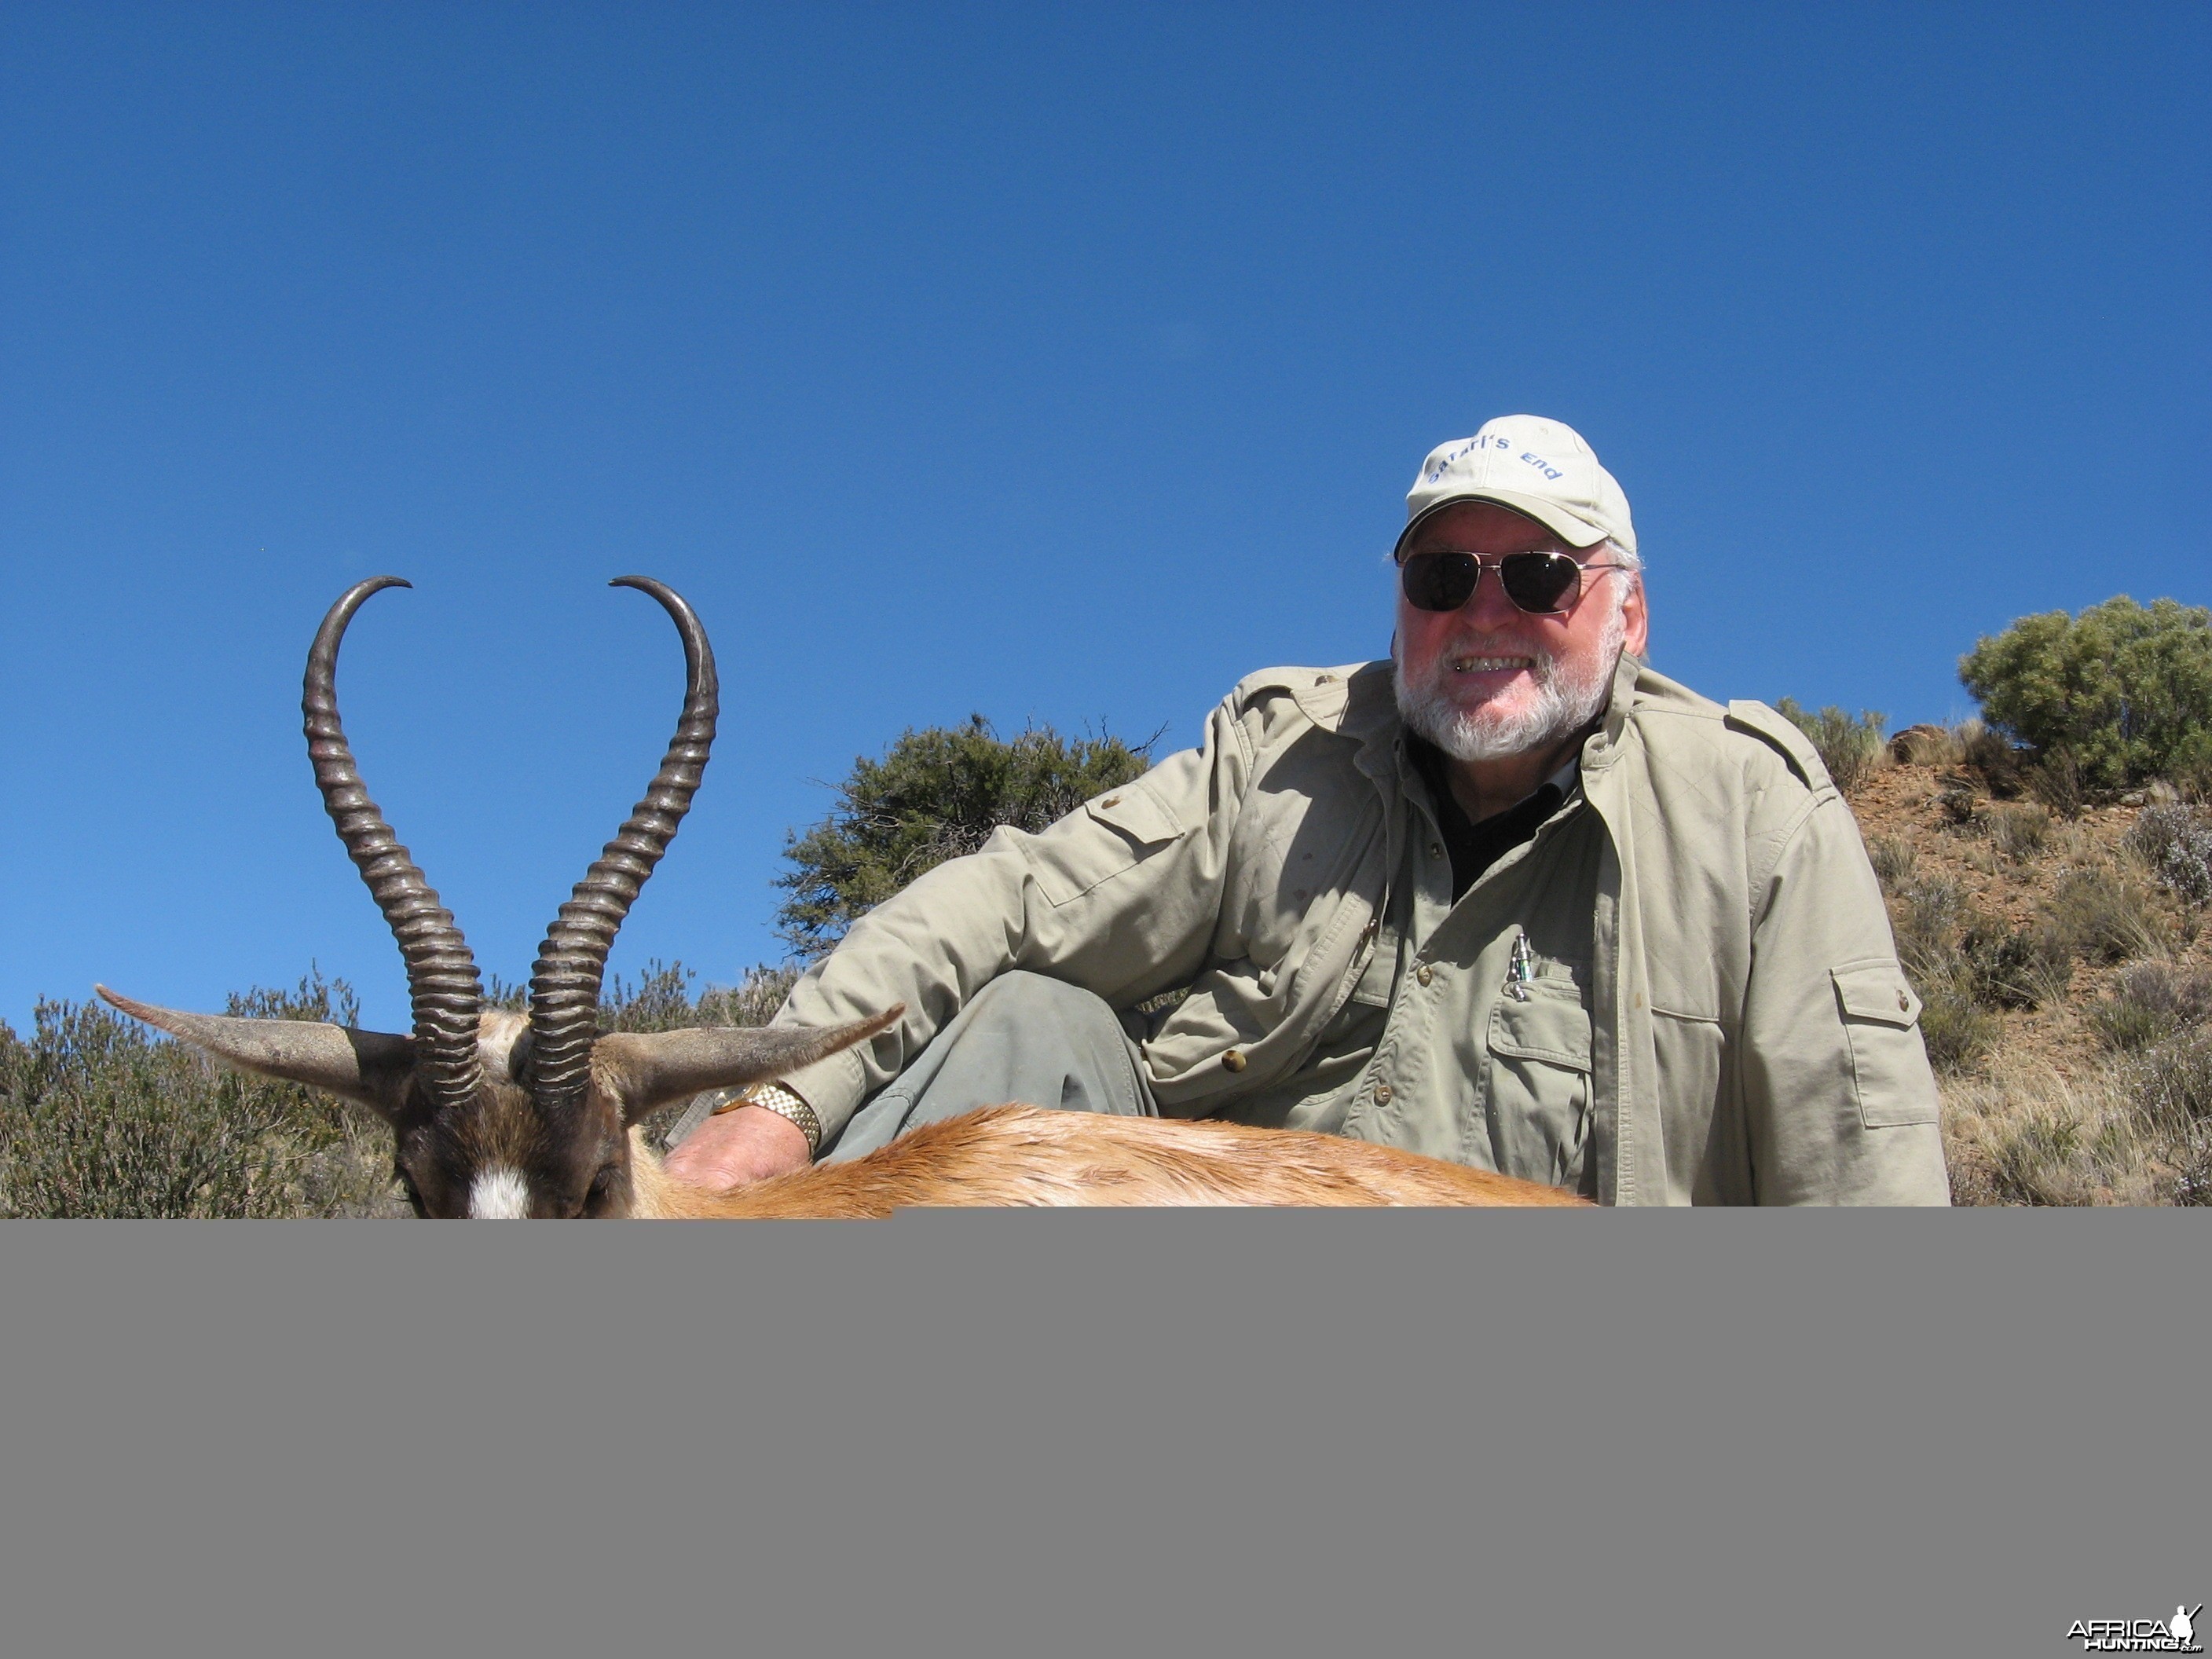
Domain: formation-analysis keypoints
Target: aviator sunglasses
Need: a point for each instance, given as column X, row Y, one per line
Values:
column 1542, row 584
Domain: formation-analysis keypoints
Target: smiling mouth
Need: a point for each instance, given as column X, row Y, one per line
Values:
column 1491, row 664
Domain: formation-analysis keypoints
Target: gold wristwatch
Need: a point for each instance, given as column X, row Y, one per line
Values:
column 785, row 1103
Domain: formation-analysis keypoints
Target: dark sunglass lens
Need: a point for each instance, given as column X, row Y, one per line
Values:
column 1539, row 582
column 1439, row 581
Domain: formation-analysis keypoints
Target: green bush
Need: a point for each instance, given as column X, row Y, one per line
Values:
column 2124, row 691
column 1850, row 748
column 935, row 794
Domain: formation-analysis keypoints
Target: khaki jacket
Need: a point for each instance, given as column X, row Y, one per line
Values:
column 1728, row 1015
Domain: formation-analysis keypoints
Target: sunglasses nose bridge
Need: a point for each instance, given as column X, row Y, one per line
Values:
column 1490, row 603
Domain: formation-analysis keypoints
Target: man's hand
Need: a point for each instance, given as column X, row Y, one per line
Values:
column 738, row 1147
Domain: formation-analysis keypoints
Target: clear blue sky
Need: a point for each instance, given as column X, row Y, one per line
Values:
column 1058, row 363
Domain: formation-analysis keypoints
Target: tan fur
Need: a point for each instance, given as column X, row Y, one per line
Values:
column 1019, row 1156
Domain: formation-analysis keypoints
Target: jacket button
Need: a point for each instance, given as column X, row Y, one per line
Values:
column 1436, row 849
column 1381, row 1094
column 1324, row 679
column 1425, row 973
column 1903, row 1002
column 1111, row 800
column 1234, row 1060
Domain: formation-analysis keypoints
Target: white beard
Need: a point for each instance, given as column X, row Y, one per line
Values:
column 1566, row 702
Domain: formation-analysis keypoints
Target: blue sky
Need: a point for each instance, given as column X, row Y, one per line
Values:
column 1060, row 364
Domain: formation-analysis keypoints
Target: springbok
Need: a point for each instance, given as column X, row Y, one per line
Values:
column 496, row 1115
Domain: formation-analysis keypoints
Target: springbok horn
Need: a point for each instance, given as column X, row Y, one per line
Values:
column 442, row 973
column 651, row 1068
column 564, row 982
column 370, row 1067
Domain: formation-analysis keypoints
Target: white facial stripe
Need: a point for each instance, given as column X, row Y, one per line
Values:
column 499, row 1194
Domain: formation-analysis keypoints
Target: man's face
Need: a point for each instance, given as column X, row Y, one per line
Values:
column 1489, row 679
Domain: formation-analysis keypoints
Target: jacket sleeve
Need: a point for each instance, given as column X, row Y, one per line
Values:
column 1840, row 1103
column 1121, row 898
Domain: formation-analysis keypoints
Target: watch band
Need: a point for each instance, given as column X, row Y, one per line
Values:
column 785, row 1103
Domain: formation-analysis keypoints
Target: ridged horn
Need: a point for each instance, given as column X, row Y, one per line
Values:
column 441, row 975
column 564, row 982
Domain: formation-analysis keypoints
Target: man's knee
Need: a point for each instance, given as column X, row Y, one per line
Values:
column 1020, row 1000
column 1035, row 1041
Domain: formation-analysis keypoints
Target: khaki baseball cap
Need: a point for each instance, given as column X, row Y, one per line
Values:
column 1539, row 467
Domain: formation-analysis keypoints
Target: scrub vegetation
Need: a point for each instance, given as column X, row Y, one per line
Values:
column 100, row 1117
column 2066, row 973
column 1849, row 748
column 2048, row 869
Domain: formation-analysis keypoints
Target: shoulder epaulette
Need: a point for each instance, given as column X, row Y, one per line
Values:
column 1760, row 721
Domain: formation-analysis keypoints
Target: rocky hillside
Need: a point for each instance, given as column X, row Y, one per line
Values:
column 2059, row 945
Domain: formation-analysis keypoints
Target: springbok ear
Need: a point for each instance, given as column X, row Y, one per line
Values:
column 646, row 1069
column 372, row 1067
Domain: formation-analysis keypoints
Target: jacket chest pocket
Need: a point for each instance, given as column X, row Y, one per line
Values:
column 1538, row 1091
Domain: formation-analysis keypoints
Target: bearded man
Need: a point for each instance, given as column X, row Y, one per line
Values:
column 1510, row 898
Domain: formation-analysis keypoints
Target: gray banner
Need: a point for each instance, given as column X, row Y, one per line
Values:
column 1111, row 1433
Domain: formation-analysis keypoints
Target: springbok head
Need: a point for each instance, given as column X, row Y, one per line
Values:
column 494, row 1114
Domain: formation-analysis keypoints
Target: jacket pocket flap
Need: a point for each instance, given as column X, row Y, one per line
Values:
column 1877, row 992
column 1137, row 813
column 1547, row 1028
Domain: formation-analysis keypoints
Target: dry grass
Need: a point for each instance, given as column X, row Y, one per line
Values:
column 2134, row 1130
column 2028, row 1133
column 2105, row 913
column 2019, row 832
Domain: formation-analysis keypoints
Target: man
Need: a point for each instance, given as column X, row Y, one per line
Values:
column 1511, row 898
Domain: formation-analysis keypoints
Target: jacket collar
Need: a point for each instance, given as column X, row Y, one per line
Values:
column 1603, row 747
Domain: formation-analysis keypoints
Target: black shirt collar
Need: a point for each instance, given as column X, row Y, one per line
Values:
column 1475, row 847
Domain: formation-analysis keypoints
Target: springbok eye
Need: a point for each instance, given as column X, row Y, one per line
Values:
column 603, row 1186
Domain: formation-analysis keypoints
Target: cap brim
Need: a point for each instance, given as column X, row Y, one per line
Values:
column 1575, row 532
